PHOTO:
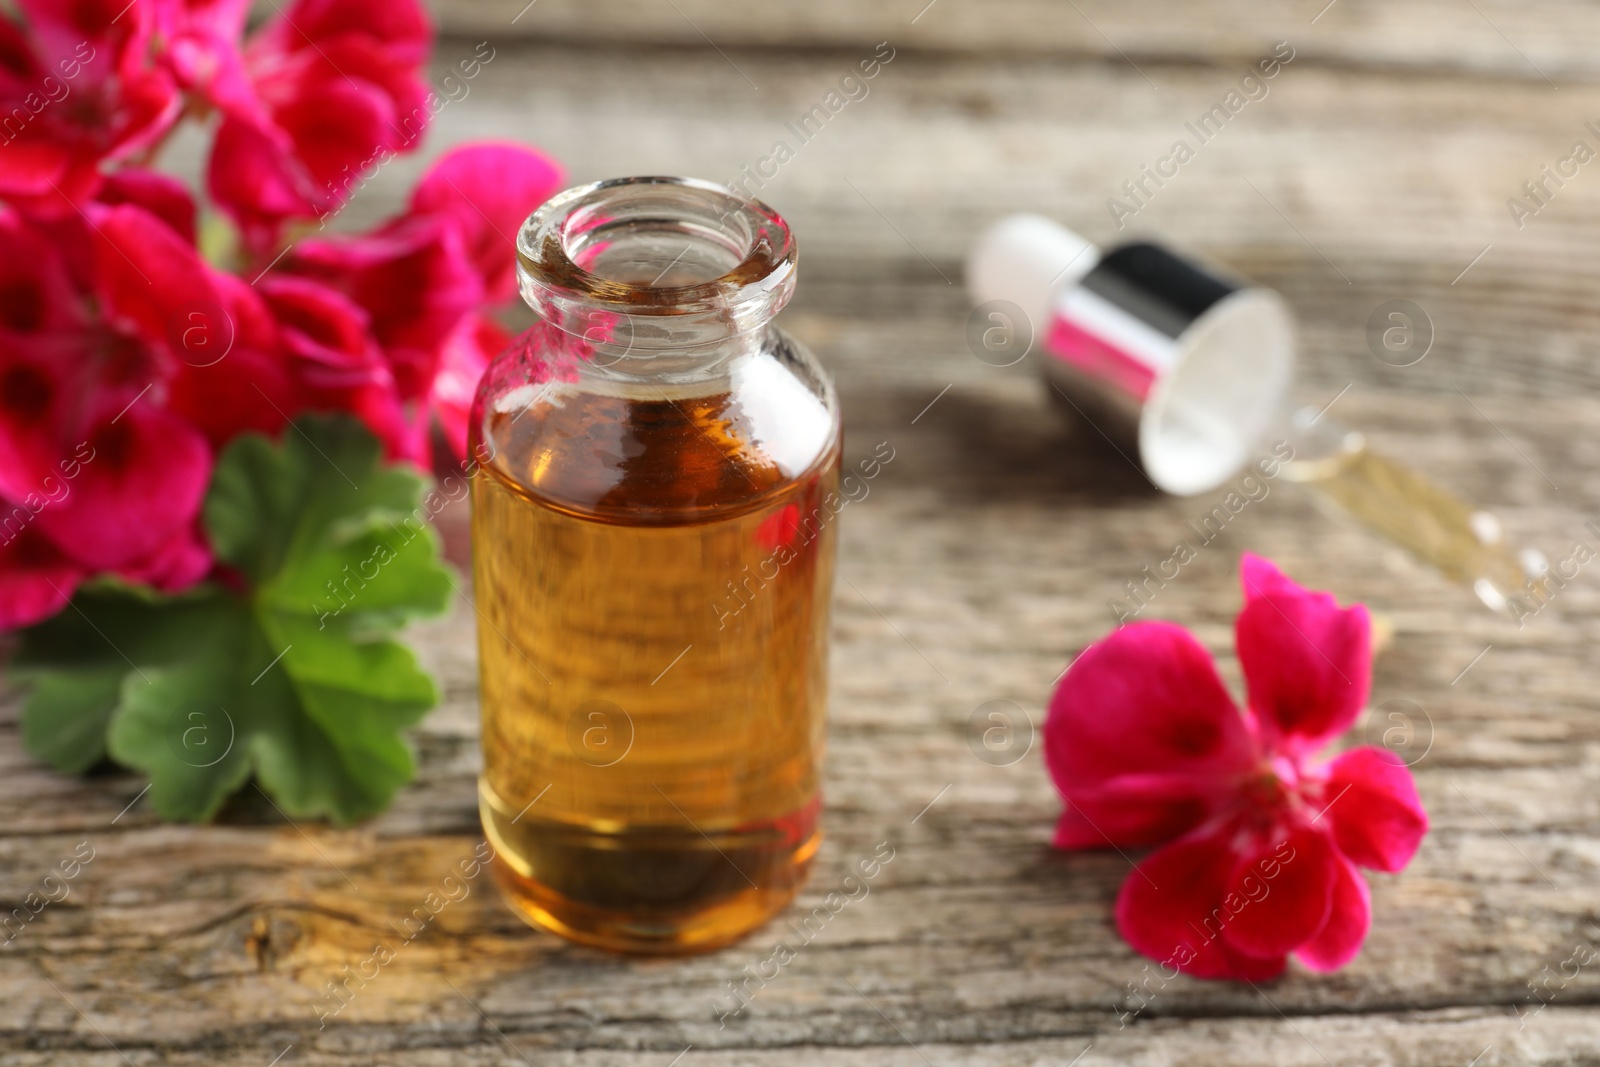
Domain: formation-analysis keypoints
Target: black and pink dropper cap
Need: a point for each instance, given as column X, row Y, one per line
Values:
column 1179, row 366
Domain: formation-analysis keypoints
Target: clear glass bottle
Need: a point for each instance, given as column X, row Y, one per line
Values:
column 653, row 565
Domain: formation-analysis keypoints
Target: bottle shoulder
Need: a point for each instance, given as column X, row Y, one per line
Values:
column 646, row 452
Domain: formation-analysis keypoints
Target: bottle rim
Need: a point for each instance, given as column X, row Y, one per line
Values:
column 561, row 240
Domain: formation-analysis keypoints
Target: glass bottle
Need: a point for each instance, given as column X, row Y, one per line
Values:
column 653, row 566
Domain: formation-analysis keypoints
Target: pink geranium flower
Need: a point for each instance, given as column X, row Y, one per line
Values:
column 127, row 360
column 466, row 355
column 411, row 278
column 77, row 89
column 335, row 363
column 97, row 474
column 414, row 289
column 334, row 91
column 36, row 578
column 1259, row 840
column 486, row 190
column 200, row 44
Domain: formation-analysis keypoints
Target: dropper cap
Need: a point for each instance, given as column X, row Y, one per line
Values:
column 1172, row 362
column 1186, row 370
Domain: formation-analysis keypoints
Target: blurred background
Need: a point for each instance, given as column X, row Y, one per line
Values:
column 1377, row 164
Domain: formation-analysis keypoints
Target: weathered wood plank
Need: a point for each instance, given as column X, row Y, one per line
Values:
column 1518, row 41
column 1434, row 1039
column 1399, row 182
column 978, row 933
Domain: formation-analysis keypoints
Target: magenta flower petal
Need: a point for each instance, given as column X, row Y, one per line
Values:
column 1307, row 662
column 1136, row 809
column 121, row 104
column 1373, row 808
column 60, row 28
column 466, row 355
column 150, row 105
column 249, row 389
column 402, row 26
column 38, row 295
column 1253, row 969
column 41, row 381
column 236, row 375
column 326, row 95
column 174, row 566
column 31, row 172
column 1172, row 908
column 141, row 485
column 302, row 161
column 335, row 363
column 1283, row 891
column 1340, row 939
column 150, row 280
column 202, row 47
column 36, row 579
column 249, row 177
column 486, row 190
column 1144, row 700
column 1169, row 895
column 413, row 280
column 336, row 123
column 162, row 195
column 326, row 332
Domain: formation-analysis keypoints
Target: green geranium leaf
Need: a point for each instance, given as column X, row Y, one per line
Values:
column 71, row 737
column 296, row 679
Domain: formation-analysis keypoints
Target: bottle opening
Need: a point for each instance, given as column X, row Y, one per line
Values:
column 679, row 261
column 653, row 252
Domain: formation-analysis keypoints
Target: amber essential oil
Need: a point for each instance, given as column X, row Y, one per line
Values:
column 652, row 571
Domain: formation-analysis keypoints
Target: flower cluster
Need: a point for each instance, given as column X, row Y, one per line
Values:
column 1259, row 841
column 128, row 358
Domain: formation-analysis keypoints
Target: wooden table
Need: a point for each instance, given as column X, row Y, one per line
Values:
column 1377, row 168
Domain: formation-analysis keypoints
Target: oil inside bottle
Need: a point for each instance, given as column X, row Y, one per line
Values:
column 653, row 570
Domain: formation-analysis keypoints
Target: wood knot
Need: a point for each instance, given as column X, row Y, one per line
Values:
column 270, row 940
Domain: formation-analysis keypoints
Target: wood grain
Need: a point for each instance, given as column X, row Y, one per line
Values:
column 984, row 557
column 1503, row 39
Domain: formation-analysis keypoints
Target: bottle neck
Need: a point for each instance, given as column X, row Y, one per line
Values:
column 655, row 280
column 619, row 362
